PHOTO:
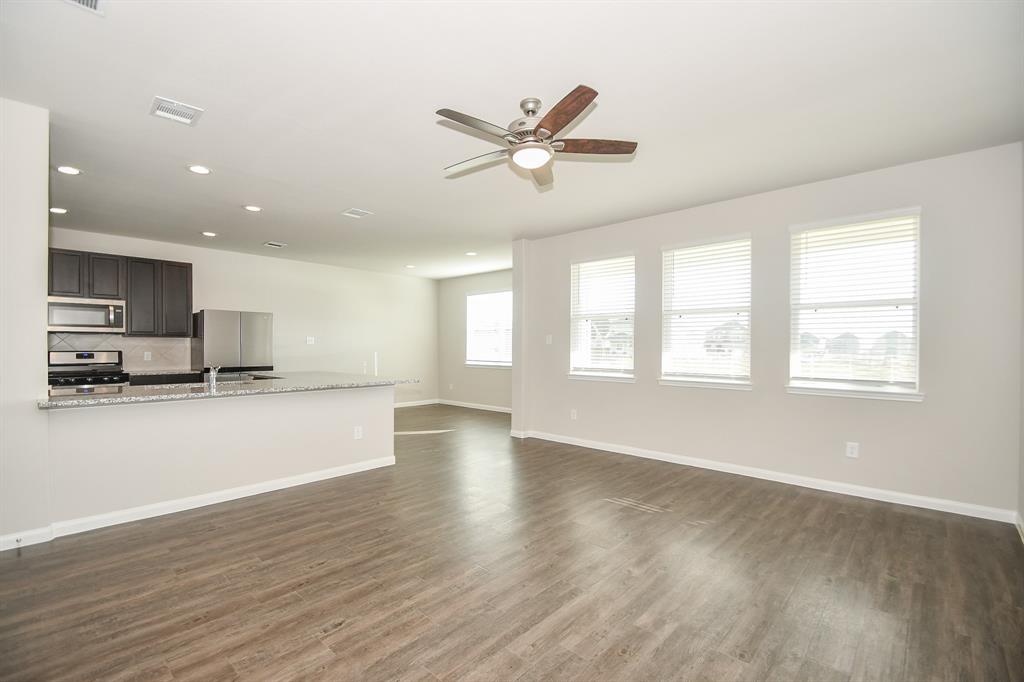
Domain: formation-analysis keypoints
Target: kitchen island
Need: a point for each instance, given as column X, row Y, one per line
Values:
column 156, row 449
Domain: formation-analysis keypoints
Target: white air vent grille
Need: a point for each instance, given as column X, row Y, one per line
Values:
column 175, row 111
column 275, row 245
column 94, row 6
column 357, row 213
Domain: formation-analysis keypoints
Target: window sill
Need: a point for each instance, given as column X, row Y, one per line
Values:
column 727, row 384
column 841, row 390
column 488, row 365
column 614, row 378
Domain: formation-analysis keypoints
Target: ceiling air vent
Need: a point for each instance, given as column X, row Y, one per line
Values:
column 175, row 111
column 275, row 245
column 357, row 213
column 94, row 6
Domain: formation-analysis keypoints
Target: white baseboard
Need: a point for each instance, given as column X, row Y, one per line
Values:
column 1020, row 526
column 477, row 406
column 69, row 527
column 940, row 504
column 519, row 434
column 417, row 403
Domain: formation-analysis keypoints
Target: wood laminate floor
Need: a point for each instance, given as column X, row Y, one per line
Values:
column 483, row 557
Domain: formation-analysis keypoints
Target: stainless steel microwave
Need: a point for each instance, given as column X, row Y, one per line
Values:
column 84, row 315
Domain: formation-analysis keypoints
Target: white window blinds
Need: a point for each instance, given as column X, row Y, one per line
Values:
column 602, row 307
column 489, row 329
column 854, row 294
column 706, row 313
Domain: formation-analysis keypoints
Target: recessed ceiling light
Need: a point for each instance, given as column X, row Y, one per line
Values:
column 199, row 170
column 209, row 234
column 356, row 213
column 471, row 253
column 252, row 209
column 69, row 170
column 58, row 211
column 410, row 266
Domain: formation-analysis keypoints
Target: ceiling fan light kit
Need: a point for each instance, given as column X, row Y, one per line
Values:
column 529, row 139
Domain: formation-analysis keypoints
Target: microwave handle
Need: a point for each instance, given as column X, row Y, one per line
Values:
column 110, row 315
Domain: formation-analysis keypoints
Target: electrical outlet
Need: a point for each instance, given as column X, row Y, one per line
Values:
column 547, row 339
column 573, row 414
column 147, row 356
column 852, row 450
column 310, row 340
column 357, row 433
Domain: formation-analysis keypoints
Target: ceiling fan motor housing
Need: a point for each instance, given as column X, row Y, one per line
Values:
column 523, row 127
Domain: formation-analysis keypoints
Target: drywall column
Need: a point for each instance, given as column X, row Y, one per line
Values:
column 519, row 413
column 24, row 195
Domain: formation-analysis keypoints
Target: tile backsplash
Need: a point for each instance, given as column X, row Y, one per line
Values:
column 165, row 353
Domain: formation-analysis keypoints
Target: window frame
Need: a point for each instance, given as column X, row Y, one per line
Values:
column 709, row 380
column 596, row 374
column 478, row 364
column 853, row 388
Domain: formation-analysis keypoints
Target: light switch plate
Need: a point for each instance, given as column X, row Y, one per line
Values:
column 310, row 340
column 147, row 356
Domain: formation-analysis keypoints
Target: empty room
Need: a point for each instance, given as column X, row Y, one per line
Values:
column 512, row 341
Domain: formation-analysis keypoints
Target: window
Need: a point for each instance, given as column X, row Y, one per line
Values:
column 489, row 329
column 705, row 324
column 854, row 294
column 602, row 306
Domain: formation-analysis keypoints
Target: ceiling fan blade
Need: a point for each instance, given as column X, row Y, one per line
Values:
column 593, row 146
column 563, row 113
column 472, row 122
column 469, row 162
column 543, row 175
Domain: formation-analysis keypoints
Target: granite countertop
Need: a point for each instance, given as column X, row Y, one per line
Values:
column 283, row 382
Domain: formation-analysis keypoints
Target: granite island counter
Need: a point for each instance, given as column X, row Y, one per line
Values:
column 262, row 383
column 156, row 449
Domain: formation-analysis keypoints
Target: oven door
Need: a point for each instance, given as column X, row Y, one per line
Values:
column 84, row 315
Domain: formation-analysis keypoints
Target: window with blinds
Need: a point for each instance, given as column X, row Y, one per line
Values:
column 602, row 308
column 705, row 327
column 489, row 329
column 854, row 292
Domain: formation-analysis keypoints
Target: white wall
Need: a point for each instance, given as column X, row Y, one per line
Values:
column 962, row 443
column 351, row 313
column 490, row 386
column 24, row 182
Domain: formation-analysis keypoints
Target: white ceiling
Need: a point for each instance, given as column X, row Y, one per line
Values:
column 316, row 107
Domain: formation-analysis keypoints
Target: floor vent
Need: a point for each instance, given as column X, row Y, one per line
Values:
column 636, row 504
column 94, row 6
column 179, row 112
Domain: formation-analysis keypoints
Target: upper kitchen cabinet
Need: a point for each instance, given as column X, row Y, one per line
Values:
column 159, row 298
column 107, row 276
column 68, row 272
column 87, row 275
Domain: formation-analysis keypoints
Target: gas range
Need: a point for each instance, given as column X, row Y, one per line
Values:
column 86, row 372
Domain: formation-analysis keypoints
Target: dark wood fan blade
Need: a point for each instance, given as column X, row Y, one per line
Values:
column 594, row 146
column 563, row 113
column 489, row 156
column 472, row 122
column 543, row 175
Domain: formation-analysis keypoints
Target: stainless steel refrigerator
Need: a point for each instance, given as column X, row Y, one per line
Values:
column 233, row 340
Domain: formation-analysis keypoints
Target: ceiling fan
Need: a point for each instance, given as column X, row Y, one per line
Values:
column 530, row 139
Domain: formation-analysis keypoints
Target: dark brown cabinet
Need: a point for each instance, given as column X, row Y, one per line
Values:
column 107, row 276
column 157, row 293
column 68, row 272
column 159, row 298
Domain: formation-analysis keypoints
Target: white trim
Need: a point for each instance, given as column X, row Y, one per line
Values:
column 617, row 378
column 26, row 538
column 881, row 494
column 1020, row 526
column 853, row 391
column 417, row 403
column 71, row 526
column 728, row 384
column 488, row 365
column 518, row 434
column 855, row 219
column 476, row 406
